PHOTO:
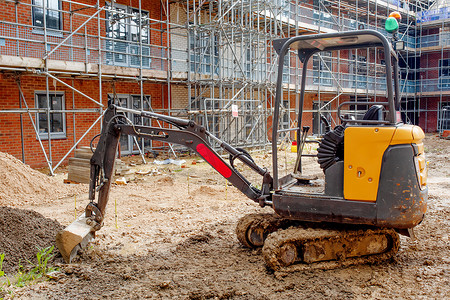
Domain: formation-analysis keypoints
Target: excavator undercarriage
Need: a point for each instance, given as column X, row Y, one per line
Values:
column 294, row 246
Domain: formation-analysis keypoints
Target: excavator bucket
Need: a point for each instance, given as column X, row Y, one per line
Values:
column 74, row 237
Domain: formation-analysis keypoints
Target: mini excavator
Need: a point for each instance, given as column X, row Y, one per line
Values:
column 375, row 174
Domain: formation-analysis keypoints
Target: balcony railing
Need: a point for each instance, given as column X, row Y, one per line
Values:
column 28, row 41
column 433, row 15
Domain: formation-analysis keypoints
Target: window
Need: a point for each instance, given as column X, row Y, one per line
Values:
column 254, row 65
column 283, row 6
column 322, row 68
column 444, row 117
column 123, row 36
column 52, row 15
column 260, row 69
column 361, row 64
column 444, row 67
column 444, row 74
column 286, row 68
column 204, row 47
column 251, row 117
column 128, row 143
column 57, row 119
column 320, row 108
column 285, row 113
column 248, row 63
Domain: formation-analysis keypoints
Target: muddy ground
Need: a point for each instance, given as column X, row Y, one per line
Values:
column 175, row 239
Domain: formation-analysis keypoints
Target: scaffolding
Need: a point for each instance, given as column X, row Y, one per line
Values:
column 103, row 41
column 214, row 62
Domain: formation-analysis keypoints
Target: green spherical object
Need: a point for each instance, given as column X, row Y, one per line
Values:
column 391, row 24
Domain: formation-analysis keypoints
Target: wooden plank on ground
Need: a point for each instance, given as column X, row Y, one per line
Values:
column 79, row 174
column 82, row 153
column 79, row 162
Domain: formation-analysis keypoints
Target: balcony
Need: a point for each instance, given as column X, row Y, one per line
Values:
column 434, row 41
column 431, row 16
column 435, row 86
column 25, row 46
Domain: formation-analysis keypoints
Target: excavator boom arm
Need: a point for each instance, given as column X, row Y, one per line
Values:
column 186, row 133
column 183, row 132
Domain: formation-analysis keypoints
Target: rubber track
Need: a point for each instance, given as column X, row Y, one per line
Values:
column 269, row 222
column 274, row 241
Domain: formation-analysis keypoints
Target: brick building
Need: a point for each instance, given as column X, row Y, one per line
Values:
column 99, row 62
column 63, row 61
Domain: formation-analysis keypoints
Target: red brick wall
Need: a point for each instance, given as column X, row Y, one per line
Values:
column 430, row 61
column 10, row 136
column 428, row 120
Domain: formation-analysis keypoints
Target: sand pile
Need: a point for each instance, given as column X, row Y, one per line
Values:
column 20, row 184
column 21, row 232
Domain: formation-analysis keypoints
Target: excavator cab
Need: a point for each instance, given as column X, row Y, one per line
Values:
column 368, row 163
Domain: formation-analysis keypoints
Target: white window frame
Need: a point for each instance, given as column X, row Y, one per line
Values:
column 321, row 74
column 53, row 135
column 287, row 68
column 444, row 79
column 135, row 119
column 40, row 29
column 131, row 53
column 285, row 119
column 440, row 123
column 201, row 63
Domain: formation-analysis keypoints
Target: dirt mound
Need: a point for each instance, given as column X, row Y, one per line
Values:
column 20, row 184
column 21, row 232
column 195, row 239
column 166, row 180
column 207, row 191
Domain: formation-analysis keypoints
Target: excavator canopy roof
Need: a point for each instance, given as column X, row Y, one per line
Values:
column 335, row 41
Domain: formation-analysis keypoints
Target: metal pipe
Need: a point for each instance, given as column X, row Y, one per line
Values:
column 288, row 129
column 100, row 82
column 152, row 115
column 34, row 125
column 69, row 86
column 44, row 110
column 44, row 10
column 17, row 27
column 71, row 29
column 74, row 116
column 21, row 132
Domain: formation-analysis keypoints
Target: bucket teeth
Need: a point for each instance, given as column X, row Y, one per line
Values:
column 74, row 237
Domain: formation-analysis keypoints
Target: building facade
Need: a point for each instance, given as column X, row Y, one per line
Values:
column 62, row 62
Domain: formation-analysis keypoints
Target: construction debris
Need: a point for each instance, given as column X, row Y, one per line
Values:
column 120, row 181
column 80, row 165
column 170, row 161
column 445, row 134
column 122, row 170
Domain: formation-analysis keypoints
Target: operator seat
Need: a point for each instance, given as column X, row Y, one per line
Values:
column 375, row 112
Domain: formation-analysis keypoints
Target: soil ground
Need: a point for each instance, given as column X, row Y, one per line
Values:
column 167, row 237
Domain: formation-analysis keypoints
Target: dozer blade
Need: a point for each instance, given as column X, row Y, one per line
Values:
column 74, row 237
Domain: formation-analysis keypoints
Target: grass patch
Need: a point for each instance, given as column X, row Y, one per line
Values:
column 24, row 277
